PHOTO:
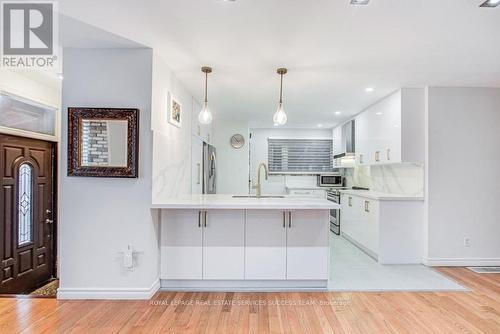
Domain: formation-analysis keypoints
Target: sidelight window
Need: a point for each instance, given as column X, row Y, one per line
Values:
column 25, row 204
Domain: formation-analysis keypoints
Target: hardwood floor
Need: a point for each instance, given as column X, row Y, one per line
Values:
column 477, row 311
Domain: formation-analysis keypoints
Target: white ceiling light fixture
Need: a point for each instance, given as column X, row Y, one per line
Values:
column 360, row 2
column 280, row 117
column 205, row 116
column 320, row 125
column 369, row 89
column 490, row 3
column 338, row 112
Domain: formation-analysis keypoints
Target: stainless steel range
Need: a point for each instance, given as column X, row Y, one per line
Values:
column 333, row 195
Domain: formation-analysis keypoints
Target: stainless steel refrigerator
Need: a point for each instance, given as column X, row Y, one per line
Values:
column 209, row 169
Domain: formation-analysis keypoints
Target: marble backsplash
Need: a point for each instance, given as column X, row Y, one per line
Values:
column 405, row 179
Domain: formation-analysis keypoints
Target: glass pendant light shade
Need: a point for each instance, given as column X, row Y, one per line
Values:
column 205, row 116
column 279, row 117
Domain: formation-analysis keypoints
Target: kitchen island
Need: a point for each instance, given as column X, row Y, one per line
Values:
column 225, row 242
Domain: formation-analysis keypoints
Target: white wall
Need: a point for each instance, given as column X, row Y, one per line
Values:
column 462, row 165
column 99, row 217
column 258, row 153
column 171, row 145
column 232, row 164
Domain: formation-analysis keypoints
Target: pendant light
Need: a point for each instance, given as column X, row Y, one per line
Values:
column 205, row 116
column 280, row 115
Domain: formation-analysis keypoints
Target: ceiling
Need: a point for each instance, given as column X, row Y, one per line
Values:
column 333, row 50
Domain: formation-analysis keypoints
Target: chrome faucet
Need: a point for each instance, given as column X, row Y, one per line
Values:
column 258, row 186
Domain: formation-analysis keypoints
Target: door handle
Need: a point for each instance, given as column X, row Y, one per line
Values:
column 205, row 220
column 377, row 156
column 367, row 206
column 199, row 219
column 388, row 154
column 289, row 219
column 349, row 202
column 361, row 158
column 284, row 219
column 198, row 174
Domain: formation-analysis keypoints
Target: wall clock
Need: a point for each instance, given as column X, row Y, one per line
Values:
column 237, row 141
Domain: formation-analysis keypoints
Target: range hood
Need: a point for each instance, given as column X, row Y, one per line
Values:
column 346, row 157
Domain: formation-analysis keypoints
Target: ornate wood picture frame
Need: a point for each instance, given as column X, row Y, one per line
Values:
column 87, row 122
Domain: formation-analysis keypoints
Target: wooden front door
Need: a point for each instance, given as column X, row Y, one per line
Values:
column 26, row 213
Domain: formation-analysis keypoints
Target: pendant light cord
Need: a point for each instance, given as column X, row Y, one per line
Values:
column 206, row 87
column 281, row 89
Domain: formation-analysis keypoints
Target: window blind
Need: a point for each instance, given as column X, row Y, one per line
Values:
column 308, row 156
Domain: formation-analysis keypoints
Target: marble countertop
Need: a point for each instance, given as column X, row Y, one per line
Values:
column 381, row 196
column 228, row 202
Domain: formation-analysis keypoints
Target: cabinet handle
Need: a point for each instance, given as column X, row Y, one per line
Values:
column 289, row 219
column 367, row 206
column 199, row 219
column 388, row 154
column 349, row 202
column 284, row 219
column 377, row 156
column 361, row 158
column 205, row 220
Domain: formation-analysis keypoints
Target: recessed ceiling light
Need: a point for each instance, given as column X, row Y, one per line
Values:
column 369, row 89
column 379, row 113
column 491, row 3
column 320, row 125
column 360, row 2
column 338, row 112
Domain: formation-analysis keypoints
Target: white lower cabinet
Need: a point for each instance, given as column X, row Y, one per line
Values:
column 388, row 230
column 224, row 245
column 181, row 245
column 291, row 245
column 307, row 245
column 265, row 253
column 360, row 222
column 261, row 245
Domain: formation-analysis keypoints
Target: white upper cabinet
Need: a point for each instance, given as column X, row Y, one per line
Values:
column 337, row 140
column 203, row 131
column 392, row 130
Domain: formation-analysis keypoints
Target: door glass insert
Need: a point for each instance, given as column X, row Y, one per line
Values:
column 25, row 204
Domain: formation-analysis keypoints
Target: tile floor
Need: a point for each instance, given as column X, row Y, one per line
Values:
column 352, row 270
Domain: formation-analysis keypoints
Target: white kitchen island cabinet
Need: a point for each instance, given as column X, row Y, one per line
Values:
column 227, row 243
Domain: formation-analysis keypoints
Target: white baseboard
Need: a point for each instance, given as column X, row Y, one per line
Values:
column 108, row 293
column 461, row 262
column 244, row 285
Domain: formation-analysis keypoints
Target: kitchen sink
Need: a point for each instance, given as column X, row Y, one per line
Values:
column 253, row 196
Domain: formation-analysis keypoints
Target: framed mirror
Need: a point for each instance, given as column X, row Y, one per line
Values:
column 103, row 142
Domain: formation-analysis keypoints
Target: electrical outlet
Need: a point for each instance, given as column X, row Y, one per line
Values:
column 466, row 242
